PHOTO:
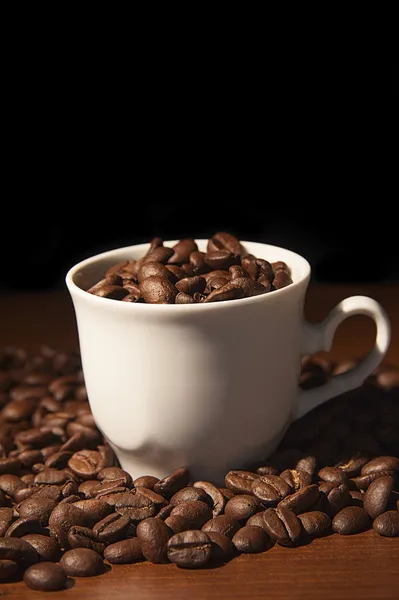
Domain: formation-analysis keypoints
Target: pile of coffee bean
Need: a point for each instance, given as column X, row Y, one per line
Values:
column 185, row 275
column 67, row 509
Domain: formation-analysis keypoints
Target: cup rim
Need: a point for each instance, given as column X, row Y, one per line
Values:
column 74, row 289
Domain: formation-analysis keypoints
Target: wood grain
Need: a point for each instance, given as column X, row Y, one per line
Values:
column 363, row 566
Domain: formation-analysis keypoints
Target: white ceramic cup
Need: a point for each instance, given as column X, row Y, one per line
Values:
column 207, row 386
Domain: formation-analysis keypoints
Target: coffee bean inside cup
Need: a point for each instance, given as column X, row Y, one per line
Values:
column 66, row 505
column 185, row 275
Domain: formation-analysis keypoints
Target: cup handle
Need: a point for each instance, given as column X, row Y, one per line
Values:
column 320, row 336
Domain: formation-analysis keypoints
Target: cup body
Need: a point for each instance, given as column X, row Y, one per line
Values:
column 208, row 386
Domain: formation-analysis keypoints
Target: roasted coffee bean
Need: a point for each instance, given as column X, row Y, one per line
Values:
column 124, row 552
column 220, row 259
column 45, row 577
column 136, row 506
column 158, row 290
column 160, row 254
column 22, row 527
column 377, row 496
column 58, row 460
column 188, row 494
column 225, row 241
column 362, row 482
column 176, row 271
column 269, row 470
column 197, row 263
column 112, row 528
column 83, row 537
column 281, row 280
column 182, row 298
column 62, row 518
column 270, row 489
column 110, row 491
column 8, row 568
column 218, row 499
column 19, row 551
column 196, row 513
column 222, row 547
column 315, row 523
column 182, row 251
column 177, row 524
column 82, row 562
column 227, row 493
column 157, row 499
column 333, row 498
column 251, row 539
column 10, row 484
column 354, row 465
column 381, row 464
column 307, row 464
column 257, row 520
column 154, row 535
column 190, row 549
column 86, row 464
column 242, row 507
column 114, row 292
column 229, row 291
column 332, row 475
column 222, row 524
column 29, row 457
column 47, row 548
column 240, row 482
column 296, row 479
column 147, row 481
column 236, row 272
column 94, row 509
column 164, row 512
column 154, row 269
column 18, row 410
column 49, row 476
column 6, row 518
column 357, row 498
column 387, row 524
column 302, row 500
column 282, row 525
column 191, row 285
column 172, row 483
column 350, row 520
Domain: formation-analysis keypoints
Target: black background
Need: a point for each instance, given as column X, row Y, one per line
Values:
column 303, row 156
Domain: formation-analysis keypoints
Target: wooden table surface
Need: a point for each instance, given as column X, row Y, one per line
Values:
column 363, row 566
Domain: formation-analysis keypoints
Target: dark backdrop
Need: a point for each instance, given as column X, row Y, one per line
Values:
column 304, row 156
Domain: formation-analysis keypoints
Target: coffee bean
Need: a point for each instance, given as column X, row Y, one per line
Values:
column 377, row 496
column 270, row 489
column 225, row 241
column 302, row 500
column 112, row 528
column 387, row 524
column 124, row 552
column 6, row 518
column 196, row 513
column 147, row 481
column 182, row 298
column 154, row 535
column 23, row 526
column 45, row 577
column 354, row 465
column 172, row 483
column 135, row 506
column 83, row 537
column 362, row 482
column 86, row 464
column 8, row 568
column 218, row 499
column 227, row 493
column 281, row 280
column 268, row 470
column 190, row 549
column 49, row 476
column 47, row 548
column 296, row 479
column 164, row 512
column 82, row 562
column 182, row 251
column 237, row 272
column 177, row 524
column 62, row 518
column 222, row 524
column 257, row 520
column 94, row 509
column 159, row 254
column 381, row 464
column 18, row 551
column 251, row 539
column 242, row 507
column 282, row 525
column 222, row 546
column 229, row 291
column 189, row 494
column 333, row 498
column 315, row 523
column 158, row 290
column 350, row 520
column 10, row 484
column 332, row 475
column 240, row 482
column 307, row 464
column 191, row 285
column 153, row 269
